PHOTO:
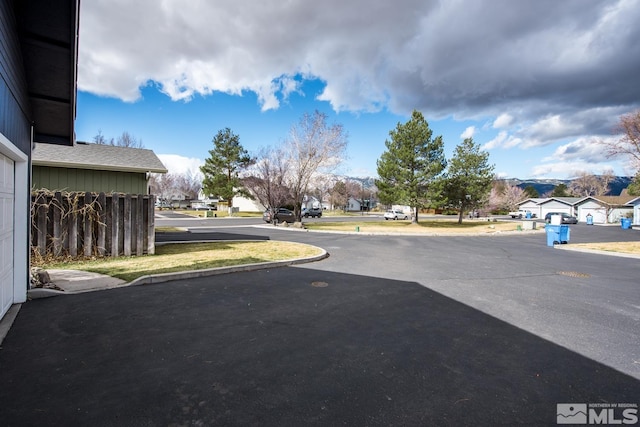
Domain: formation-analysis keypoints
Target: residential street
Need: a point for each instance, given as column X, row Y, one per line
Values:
column 389, row 330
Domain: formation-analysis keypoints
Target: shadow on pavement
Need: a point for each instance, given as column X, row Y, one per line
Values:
column 183, row 236
column 285, row 347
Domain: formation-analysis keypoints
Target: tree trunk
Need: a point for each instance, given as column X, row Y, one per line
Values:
column 461, row 213
column 414, row 220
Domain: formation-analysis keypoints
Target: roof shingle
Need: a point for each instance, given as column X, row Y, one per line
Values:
column 98, row 157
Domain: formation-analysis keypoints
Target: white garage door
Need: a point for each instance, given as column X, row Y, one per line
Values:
column 598, row 215
column 6, row 233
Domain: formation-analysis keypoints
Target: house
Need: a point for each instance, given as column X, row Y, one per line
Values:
column 94, row 167
column 541, row 207
column 353, row 205
column 532, row 205
column 635, row 204
column 245, row 204
column 38, row 63
column 607, row 209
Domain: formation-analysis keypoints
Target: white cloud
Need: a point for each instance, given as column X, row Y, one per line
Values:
column 504, row 140
column 370, row 54
column 587, row 150
column 540, row 72
column 504, row 120
column 468, row 132
column 568, row 169
column 177, row 164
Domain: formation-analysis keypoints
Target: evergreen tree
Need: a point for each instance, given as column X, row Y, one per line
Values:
column 560, row 190
column 531, row 192
column 411, row 165
column 634, row 187
column 469, row 178
column 221, row 170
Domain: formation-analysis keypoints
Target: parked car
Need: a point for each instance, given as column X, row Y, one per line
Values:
column 395, row 214
column 566, row 218
column 313, row 212
column 522, row 213
column 280, row 215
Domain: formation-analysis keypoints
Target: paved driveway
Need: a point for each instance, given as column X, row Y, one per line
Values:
column 387, row 331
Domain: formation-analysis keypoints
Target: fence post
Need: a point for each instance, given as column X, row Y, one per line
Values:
column 151, row 229
column 42, row 228
column 101, row 217
column 57, row 224
column 73, row 225
column 115, row 224
column 88, row 228
column 127, row 225
column 140, row 225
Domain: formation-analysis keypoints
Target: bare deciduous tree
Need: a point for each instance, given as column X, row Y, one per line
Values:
column 313, row 147
column 504, row 196
column 628, row 145
column 162, row 185
column 189, row 184
column 266, row 180
column 128, row 140
column 587, row 184
column 321, row 186
column 124, row 140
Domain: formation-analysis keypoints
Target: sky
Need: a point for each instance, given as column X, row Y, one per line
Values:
column 537, row 83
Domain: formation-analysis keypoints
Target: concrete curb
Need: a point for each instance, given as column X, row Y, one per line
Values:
column 36, row 293
column 194, row 274
column 596, row 251
column 406, row 234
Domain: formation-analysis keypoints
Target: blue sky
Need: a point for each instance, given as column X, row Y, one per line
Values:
column 537, row 83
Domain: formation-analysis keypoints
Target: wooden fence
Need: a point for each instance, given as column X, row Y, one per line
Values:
column 92, row 224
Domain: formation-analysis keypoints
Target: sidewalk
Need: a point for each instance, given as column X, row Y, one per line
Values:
column 73, row 282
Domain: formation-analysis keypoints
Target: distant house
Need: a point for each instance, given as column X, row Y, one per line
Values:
column 541, row 207
column 245, row 204
column 603, row 209
column 635, row 204
column 94, row 168
column 607, row 209
column 532, row 205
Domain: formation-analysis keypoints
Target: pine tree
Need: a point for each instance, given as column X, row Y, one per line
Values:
column 469, row 178
column 411, row 165
column 221, row 170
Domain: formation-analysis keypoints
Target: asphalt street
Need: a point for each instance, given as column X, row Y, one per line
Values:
column 389, row 330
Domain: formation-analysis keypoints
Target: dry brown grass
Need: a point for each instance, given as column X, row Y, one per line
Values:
column 623, row 247
column 192, row 256
column 430, row 227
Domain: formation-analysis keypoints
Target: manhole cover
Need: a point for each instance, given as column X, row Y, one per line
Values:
column 319, row 284
column 573, row 274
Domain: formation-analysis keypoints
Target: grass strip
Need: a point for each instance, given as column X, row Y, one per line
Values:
column 623, row 247
column 426, row 227
column 177, row 257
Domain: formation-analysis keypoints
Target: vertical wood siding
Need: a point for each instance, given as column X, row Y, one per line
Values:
column 92, row 224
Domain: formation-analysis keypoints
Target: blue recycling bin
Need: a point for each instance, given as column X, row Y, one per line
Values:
column 625, row 223
column 589, row 220
column 557, row 233
column 528, row 215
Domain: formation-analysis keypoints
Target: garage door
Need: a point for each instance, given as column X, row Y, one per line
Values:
column 6, row 233
column 598, row 215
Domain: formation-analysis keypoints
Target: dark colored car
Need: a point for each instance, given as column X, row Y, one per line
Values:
column 566, row 218
column 313, row 213
column 280, row 215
